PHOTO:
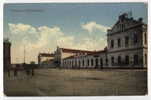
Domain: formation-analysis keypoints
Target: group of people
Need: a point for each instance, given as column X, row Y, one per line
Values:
column 29, row 70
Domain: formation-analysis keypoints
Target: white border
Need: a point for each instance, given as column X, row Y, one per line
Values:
column 147, row 97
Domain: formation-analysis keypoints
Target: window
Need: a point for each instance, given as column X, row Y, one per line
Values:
column 122, row 27
column 145, row 58
column 135, row 59
column 92, row 62
column 112, row 43
column 119, row 59
column 112, row 60
column 88, row 62
column 145, row 36
column 106, row 61
column 72, row 63
column 119, row 42
column 101, row 62
column 135, row 38
column 75, row 62
column 83, row 62
column 79, row 63
column 96, row 62
column 127, row 59
column 126, row 41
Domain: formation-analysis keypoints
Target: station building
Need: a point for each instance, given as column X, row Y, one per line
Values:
column 126, row 48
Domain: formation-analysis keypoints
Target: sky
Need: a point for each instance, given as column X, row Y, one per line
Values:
column 41, row 27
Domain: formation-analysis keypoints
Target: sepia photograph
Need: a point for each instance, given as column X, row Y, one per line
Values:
column 75, row 49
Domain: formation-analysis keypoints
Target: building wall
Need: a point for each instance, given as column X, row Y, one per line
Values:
column 86, row 61
column 122, row 63
column 122, row 35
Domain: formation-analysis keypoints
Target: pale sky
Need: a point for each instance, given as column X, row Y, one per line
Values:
column 43, row 27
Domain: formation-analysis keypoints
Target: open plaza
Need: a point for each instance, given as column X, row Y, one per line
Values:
column 75, row 82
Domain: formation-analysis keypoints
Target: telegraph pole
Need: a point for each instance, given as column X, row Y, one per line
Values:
column 24, row 54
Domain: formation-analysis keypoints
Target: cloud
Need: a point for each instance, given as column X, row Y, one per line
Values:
column 21, row 28
column 21, row 32
column 92, row 26
column 46, row 39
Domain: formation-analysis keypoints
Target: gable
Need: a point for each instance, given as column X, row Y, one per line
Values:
column 126, row 23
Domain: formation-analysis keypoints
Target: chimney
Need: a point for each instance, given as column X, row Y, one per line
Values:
column 140, row 19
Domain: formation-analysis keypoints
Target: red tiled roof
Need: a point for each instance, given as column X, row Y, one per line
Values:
column 46, row 54
column 69, row 57
column 76, row 51
column 97, row 52
column 93, row 53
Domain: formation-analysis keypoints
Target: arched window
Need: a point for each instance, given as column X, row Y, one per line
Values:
column 106, row 61
column 96, row 62
column 101, row 62
column 127, row 59
column 91, row 62
column 119, row 59
column 135, row 59
column 72, row 62
column 145, row 58
column 145, row 38
column 135, row 38
column 126, row 41
column 112, row 43
column 79, row 63
column 112, row 60
column 83, row 62
column 88, row 62
column 119, row 42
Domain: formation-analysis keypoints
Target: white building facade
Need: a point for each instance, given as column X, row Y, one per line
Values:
column 127, row 43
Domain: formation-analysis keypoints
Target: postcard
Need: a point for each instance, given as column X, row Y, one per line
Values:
column 75, row 49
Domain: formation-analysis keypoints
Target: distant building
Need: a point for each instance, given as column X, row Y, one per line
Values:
column 126, row 47
column 46, row 59
column 63, row 53
column 7, row 54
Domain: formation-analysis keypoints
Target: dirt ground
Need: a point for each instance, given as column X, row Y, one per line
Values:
column 74, row 82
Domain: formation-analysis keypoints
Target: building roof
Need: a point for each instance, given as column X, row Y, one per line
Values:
column 69, row 57
column 46, row 54
column 98, row 52
column 75, row 50
column 92, row 53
